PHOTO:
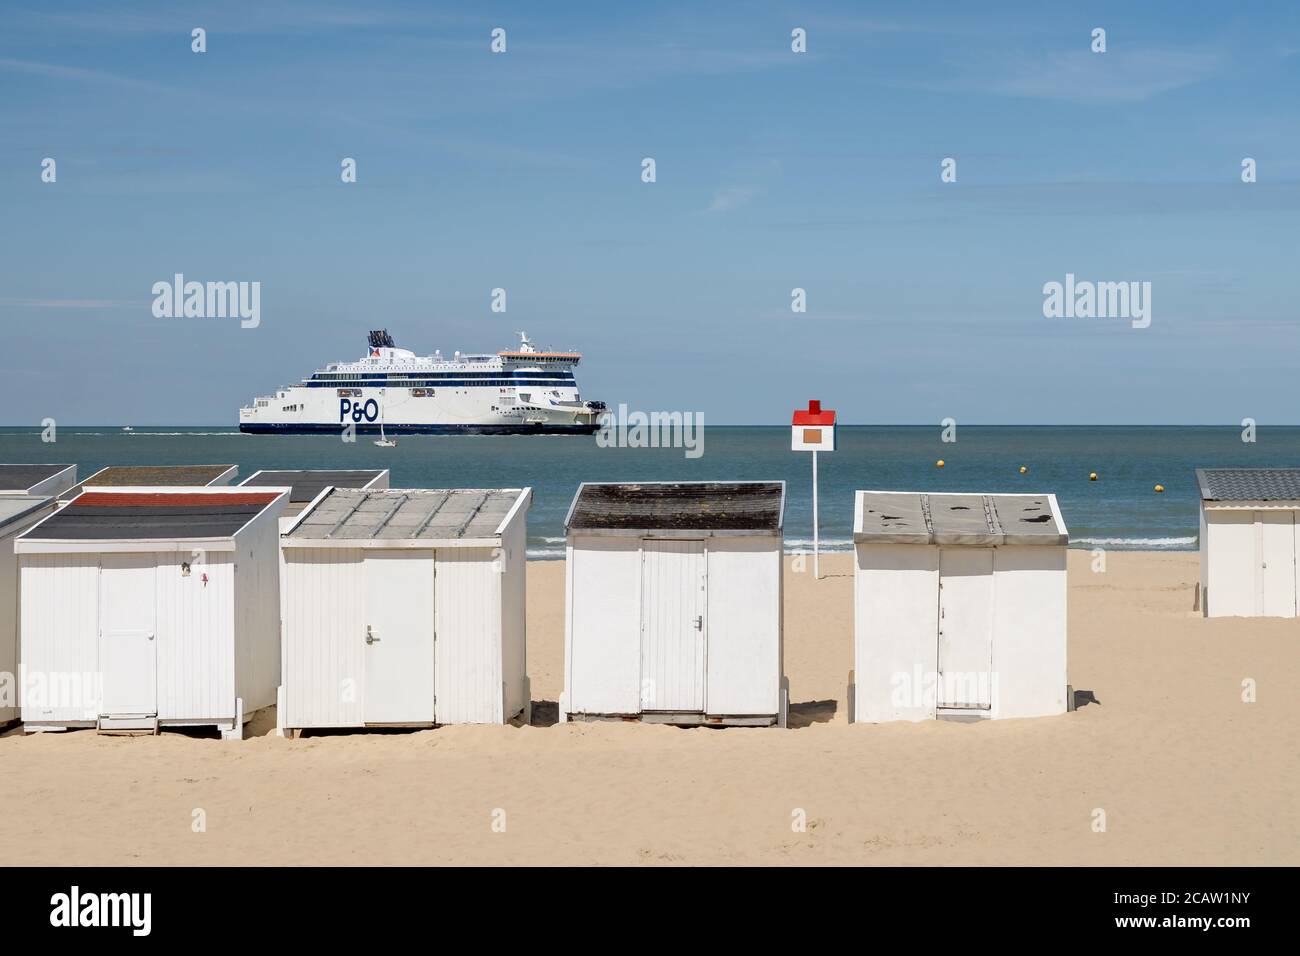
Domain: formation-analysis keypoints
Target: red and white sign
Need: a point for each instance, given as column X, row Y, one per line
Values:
column 812, row 428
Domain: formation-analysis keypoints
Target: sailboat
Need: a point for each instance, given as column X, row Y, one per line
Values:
column 383, row 441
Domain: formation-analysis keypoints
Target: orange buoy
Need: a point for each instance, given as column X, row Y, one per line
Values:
column 1023, row 469
column 1160, row 489
column 1092, row 476
column 939, row 463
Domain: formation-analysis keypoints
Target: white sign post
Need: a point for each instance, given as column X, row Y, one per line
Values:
column 813, row 429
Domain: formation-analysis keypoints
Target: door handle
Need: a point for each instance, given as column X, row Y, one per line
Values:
column 699, row 622
column 370, row 635
column 149, row 635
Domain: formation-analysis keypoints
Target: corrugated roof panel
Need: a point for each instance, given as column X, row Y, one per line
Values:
column 406, row 514
column 1249, row 484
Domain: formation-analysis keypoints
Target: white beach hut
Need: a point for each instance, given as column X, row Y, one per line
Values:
column 674, row 603
column 149, row 607
column 1248, row 541
column 959, row 606
column 405, row 607
column 17, row 514
column 37, row 479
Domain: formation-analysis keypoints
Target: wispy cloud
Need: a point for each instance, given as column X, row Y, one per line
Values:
column 730, row 197
column 59, row 71
column 287, row 17
column 73, row 303
column 1083, row 76
column 746, row 185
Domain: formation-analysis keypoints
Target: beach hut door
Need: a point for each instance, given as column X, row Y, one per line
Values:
column 673, row 624
column 128, row 649
column 398, row 637
column 1277, row 565
column 965, row 628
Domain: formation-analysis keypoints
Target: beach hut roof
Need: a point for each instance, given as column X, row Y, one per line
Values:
column 18, row 479
column 1249, row 484
column 892, row 517
column 150, row 475
column 413, row 515
column 306, row 484
column 149, row 515
column 733, row 506
column 14, row 508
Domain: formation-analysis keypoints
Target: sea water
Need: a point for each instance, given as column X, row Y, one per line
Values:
column 1120, row 510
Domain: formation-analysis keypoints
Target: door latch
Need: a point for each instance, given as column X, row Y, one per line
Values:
column 699, row 622
column 370, row 635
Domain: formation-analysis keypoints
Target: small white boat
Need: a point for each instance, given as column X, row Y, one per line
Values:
column 383, row 441
column 128, row 428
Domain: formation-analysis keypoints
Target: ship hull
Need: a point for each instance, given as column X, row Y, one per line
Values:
column 392, row 428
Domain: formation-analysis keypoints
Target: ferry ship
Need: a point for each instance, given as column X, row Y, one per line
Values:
column 392, row 390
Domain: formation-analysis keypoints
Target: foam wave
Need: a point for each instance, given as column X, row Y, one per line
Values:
column 545, row 554
column 827, row 544
column 1141, row 544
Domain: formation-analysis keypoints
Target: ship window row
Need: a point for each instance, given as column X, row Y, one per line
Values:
column 438, row 383
column 401, row 376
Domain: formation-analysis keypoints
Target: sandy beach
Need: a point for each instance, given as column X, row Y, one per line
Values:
column 1186, row 772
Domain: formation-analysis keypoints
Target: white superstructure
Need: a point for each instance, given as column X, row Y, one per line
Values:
column 524, row 391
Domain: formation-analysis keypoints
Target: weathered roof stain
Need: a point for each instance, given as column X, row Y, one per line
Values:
column 679, row 506
column 957, row 519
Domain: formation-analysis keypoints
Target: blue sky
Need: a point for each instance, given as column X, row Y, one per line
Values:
column 775, row 170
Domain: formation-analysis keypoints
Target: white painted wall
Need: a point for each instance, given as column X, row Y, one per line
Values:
column 896, row 601
column 603, row 627
column 743, row 663
column 468, row 671
column 10, row 614
column 743, row 652
column 896, row 630
column 257, row 634
column 514, row 618
column 216, row 640
column 323, row 668
column 60, row 598
column 1029, row 631
column 196, row 637
column 480, row 645
column 1237, row 541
